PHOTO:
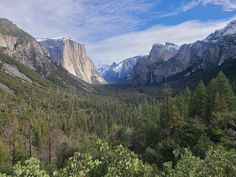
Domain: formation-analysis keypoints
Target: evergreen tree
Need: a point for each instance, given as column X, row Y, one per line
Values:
column 4, row 157
column 220, row 104
column 199, row 101
column 171, row 117
column 225, row 91
column 211, row 94
column 234, row 87
column 183, row 102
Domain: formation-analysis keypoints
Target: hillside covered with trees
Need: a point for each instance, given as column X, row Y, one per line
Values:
column 47, row 130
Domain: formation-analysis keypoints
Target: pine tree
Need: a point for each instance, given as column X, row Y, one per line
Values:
column 183, row 102
column 211, row 94
column 171, row 117
column 225, row 91
column 165, row 108
column 199, row 101
column 234, row 87
column 220, row 104
column 15, row 127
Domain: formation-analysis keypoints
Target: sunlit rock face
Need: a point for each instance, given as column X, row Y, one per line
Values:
column 72, row 56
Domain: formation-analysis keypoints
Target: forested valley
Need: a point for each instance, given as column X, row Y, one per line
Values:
column 160, row 130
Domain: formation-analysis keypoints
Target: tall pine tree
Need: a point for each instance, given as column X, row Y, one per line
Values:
column 199, row 101
column 224, row 97
column 171, row 118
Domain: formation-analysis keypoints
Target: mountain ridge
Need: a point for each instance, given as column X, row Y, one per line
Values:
column 209, row 53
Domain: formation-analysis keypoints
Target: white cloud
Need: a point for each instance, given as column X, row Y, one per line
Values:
column 81, row 19
column 135, row 43
column 227, row 5
column 189, row 5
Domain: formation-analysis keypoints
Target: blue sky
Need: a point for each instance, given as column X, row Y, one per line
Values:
column 113, row 30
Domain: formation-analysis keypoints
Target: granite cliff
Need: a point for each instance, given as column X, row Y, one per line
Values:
column 72, row 56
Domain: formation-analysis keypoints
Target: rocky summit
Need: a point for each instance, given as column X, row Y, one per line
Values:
column 159, row 54
column 72, row 56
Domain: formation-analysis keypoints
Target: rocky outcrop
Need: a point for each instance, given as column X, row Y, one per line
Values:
column 206, row 54
column 160, row 53
column 13, row 71
column 72, row 56
column 120, row 72
column 143, row 70
column 6, row 89
column 23, row 47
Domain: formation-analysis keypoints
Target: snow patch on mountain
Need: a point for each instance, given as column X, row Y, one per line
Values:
column 172, row 47
column 228, row 30
column 119, row 72
column 103, row 68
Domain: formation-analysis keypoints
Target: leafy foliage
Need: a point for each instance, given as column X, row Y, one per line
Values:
column 218, row 162
column 30, row 167
column 109, row 162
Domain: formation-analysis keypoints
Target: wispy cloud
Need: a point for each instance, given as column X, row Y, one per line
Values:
column 227, row 5
column 190, row 5
column 82, row 19
column 134, row 43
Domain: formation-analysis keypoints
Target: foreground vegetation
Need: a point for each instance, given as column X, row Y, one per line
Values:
column 122, row 162
column 191, row 133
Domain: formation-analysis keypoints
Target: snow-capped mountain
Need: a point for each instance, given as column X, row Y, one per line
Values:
column 228, row 30
column 103, row 68
column 119, row 72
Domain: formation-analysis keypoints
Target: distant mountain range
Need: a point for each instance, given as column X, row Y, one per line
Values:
column 166, row 61
column 120, row 72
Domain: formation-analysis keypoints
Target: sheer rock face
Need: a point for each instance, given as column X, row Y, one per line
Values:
column 143, row 70
column 206, row 54
column 23, row 47
column 73, row 57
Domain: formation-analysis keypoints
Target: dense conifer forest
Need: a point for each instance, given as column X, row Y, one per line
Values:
column 48, row 130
